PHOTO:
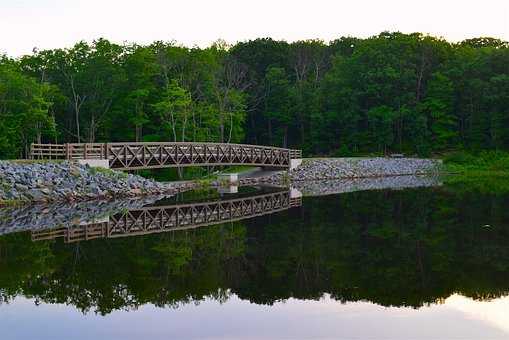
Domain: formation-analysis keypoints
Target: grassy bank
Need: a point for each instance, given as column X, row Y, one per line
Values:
column 492, row 163
column 487, row 171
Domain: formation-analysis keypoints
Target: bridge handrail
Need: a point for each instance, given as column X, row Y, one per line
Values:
column 295, row 153
column 149, row 155
column 67, row 149
column 200, row 143
column 47, row 151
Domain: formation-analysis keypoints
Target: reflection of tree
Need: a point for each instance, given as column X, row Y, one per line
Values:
column 110, row 274
column 393, row 248
column 402, row 248
column 21, row 264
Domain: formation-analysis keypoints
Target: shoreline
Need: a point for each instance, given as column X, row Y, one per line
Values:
column 322, row 169
column 50, row 182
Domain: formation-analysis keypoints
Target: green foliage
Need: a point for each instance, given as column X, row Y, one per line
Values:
column 237, row 169
column 482, row 164
column 108, row 172
column 481, row 181
column 437, row 106
column 24, row 110
column 380, row 120
column 343, row 151
column 393, row 92
column 174, row 111
column 11, row 203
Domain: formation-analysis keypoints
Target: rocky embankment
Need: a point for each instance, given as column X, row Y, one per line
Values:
column 344, row 168
column 22, row 182
column 53, row 182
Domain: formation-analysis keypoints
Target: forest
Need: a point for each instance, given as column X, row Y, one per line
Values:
column 394, row 92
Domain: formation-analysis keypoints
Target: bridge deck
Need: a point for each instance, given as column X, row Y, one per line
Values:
column 132, row 156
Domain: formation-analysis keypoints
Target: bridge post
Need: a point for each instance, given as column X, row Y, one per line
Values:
column 67, row 151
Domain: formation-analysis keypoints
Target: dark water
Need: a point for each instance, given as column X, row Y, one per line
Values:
column 421, row 263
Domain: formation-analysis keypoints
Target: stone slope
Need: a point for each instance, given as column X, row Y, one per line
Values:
column 340, row 168
column 65, row 181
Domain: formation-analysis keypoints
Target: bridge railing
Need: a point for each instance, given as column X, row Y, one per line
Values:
column 69, row 151
column 129, row 156
column 86, row 151
column 295, row 154
column 47, row 151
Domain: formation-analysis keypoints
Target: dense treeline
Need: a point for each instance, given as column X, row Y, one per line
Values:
column 389, row 93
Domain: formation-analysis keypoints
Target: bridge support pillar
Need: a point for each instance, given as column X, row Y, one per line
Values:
column 95, row 163
column 228, row 178
column 294, row 163
column 230, row 189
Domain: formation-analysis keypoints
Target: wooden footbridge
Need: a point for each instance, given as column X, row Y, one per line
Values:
column 133, row 156
column 158, row 219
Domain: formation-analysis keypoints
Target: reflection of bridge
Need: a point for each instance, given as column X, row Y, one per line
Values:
column 159, row 219
column 127, row 156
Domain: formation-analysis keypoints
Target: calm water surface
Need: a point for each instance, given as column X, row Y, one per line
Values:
column 420, row 263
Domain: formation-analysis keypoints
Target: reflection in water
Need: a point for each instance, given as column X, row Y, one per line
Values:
column 340, row 186
column 239, row 319
column 492, row 312
column 35, row 217
column 88, row 220
column 417, row 248
column 163, row 218
column 167, row 211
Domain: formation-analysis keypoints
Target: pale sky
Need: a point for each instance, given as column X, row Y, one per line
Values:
column 25, row 24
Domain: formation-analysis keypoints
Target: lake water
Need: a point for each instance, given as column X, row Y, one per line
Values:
column 428, row 262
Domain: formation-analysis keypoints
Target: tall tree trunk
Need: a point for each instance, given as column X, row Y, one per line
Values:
column 221, row 128
column 91, row 134
column 77, row 116
column 138, row 132
column 269, row 128
column 231, row 128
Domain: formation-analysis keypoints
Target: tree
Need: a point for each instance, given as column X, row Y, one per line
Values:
column 103, row 77
column 437, row 107
column 308, row 94
column 138, row 117
column 380, row 120
column 24, row 111
column 173, row 109
column 278, row 103
column 229, row 85
column 498, row 102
